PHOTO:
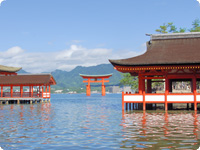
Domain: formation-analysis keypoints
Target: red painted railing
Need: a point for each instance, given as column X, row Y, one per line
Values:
column 24, row 94
column 160, row 98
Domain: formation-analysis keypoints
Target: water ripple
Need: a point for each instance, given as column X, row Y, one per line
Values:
column 96, row 122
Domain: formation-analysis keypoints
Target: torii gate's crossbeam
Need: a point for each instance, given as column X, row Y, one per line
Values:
column 94, row 79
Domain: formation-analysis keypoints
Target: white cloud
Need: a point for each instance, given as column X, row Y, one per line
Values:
column 1, row 1
column 198, row 1
column 12, row 52
column 67, row 59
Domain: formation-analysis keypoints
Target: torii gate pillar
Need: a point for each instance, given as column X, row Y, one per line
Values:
column 88, row 89
column 95, row 80
column 103, row 87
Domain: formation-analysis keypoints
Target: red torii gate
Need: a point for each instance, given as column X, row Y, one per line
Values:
column 94, row 79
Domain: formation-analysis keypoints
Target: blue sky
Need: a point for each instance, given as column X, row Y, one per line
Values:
column 44, row 35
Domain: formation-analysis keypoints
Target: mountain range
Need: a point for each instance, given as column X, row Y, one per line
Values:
column 72, row 81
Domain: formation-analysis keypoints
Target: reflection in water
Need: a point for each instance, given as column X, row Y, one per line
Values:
column 73, row 123
column 161, row 130
column 79, row 122
column 19, row 125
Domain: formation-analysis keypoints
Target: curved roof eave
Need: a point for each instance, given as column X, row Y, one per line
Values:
column 9, row 69
column 102, row 75
column 117, row 63
column 167, row 49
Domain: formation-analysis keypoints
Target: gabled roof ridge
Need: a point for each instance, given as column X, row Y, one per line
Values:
column 175, row 35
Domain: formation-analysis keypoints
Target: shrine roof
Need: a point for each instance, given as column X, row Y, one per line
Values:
column 95, row 76
column 28, row 79
column 167, row 49
column 9, row 69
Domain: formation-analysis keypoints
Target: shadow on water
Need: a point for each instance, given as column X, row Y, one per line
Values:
column 161, row 130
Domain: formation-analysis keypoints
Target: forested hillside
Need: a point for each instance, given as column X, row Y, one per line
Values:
column 71, row 80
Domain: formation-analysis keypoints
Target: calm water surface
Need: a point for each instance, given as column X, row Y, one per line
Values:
column 95, row 122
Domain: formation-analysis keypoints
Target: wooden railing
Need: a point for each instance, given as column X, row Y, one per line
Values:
column 24, row 94
column 160, row 97
column 46, row 95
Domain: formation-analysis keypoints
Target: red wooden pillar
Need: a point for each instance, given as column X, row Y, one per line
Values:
column 142, row 89
column 49, row 91
column 103, row 88
column 2, row 91
column 166, row 92
column 144, row 93
column 21, row 91
column 31, row 91
column 140, row 84
column 88, row 88
column 194, row 92
column 144, row 103
column 143, row 84
column 11, row 91
column 123, row 101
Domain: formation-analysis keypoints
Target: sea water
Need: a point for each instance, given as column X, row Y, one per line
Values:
column 77, row 121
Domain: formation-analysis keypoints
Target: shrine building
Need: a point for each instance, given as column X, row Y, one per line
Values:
column 24, row 88
column 169, row 58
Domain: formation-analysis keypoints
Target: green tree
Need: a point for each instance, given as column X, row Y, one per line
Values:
column 129, row 80
column 169, row 28
column 195, row 26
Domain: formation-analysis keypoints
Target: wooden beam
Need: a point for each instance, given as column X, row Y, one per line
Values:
column 158, row 81
column 153, row 77
column 150, row 68
column 92, row 81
